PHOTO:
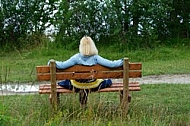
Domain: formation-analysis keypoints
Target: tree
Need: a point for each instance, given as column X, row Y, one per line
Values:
column 20, row 18
column 179, row 19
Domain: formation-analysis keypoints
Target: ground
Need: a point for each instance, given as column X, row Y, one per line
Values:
column 164, row 79
column 169, row 79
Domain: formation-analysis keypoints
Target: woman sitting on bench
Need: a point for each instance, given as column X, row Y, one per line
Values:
column 88, row 55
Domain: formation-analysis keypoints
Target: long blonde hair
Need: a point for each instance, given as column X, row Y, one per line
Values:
column 87, row 46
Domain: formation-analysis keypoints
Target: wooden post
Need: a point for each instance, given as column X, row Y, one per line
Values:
column 125, row 85
column 53, row 84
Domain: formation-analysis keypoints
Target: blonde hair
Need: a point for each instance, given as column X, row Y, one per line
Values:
column 87, row 46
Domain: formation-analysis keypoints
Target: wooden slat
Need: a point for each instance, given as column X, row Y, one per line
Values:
column 43, row 69
column 99, row 75
column 79, row 68
column 110, row 89
column 48, row 91
column 133, row 86
column 82, row 68
column 119, row 89
column 135, row 66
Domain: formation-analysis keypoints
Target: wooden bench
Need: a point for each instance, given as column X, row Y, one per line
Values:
column 52, row 74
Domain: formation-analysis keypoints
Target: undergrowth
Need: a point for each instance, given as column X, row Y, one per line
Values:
column 154, row 105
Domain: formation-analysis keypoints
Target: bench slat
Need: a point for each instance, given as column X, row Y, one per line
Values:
column 119, row 89
column 46, row 69
column 44, row 87
column 135, row 66
column 71, row 75
column 115, row 89
column 48, row 86
column 133, row 86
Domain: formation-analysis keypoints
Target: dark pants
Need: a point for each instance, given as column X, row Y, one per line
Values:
column 67, row 84
column 83, row 96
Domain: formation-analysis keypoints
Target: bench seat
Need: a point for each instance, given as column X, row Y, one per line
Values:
column 115, row 87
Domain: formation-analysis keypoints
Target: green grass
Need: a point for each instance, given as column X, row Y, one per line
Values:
column 154, row 105
column 20, row 65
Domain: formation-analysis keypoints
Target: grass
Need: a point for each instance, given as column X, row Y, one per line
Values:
column 155, row 105
column 20, row 65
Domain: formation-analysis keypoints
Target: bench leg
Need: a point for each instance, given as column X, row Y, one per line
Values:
column 121, row 97
column 50, row 99
column 58, row 98
column 83, row 97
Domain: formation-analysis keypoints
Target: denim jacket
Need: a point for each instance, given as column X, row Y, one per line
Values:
column 88, row 61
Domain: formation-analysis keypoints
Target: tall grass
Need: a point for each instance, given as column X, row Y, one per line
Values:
column 154, row 105
column 20, row 65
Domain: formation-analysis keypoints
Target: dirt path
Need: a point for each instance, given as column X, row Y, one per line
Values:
column 165, row 79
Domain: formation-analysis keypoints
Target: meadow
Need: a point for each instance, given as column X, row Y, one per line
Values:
column 20, row 65
column 154, row 105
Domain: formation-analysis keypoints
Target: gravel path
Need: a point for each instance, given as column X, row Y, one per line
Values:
column 165, row 79
column 162, row 79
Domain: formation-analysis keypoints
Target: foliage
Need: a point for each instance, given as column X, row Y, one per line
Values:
column 135, row 23
column 20, row 18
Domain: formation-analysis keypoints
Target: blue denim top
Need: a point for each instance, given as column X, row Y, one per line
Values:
column 88, row 61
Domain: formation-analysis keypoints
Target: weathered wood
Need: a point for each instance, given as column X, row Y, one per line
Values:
column 115, row 87
column 131, row 84
column 62, row 76
column 63, row 90
column 125, row 85
column 95, row 75
column 80, row 68
column 53, row 85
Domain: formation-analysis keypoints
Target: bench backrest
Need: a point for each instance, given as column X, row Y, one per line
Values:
column 132, row 70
